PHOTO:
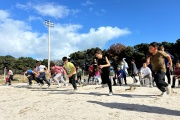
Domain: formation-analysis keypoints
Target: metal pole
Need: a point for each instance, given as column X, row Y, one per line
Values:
column 48, row 48
column 5, row 73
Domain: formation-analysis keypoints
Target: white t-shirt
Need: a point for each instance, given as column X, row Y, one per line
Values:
column 145, row 71
column 10, row 72
column 40, row 68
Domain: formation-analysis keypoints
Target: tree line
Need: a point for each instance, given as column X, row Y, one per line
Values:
column 115, row 53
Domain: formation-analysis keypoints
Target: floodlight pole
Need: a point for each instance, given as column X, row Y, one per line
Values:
column 49, row 24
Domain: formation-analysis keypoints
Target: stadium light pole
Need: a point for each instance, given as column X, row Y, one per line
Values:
column 49, row 24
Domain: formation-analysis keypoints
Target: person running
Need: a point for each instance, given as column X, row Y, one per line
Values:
column 177, row 74
column 71, row 71
column 10, row 76
column 42, row 75
column 57, row 72
column 134, row 71
column 168, row 71
column 31, row 75
column 156, row 58
column 145, row 72
column 104, row 64
column 79, row 74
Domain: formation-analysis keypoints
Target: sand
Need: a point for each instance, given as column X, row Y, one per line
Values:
column 91, row 102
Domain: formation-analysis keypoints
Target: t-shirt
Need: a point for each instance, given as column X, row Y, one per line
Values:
column 157, row 61
column 10, row 72
column 91, row 69
column 145, row 71
column 57, row 69
column 30, row 72
column 40, row 68
column 118, row 72
column 102, row 61
column 177, row 71
column 69, row 68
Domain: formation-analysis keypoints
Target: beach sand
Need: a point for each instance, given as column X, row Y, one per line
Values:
column 19, row 102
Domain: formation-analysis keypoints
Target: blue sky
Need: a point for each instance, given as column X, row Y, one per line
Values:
column 83, row 24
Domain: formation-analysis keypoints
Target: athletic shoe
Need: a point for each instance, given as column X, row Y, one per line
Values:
column 110, row 93
column 163, row 94
column 168, row 89
column 49, row 86
column 66, row 84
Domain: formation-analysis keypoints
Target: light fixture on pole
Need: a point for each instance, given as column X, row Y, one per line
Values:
column 49, row 24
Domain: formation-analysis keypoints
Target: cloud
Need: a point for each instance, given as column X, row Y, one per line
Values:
column 49, row 9
column 19, row 40
column 87, row 3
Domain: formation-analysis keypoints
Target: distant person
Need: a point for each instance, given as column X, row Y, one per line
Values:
column 97, row 75
column 119, row 74
column 31, row 75
column 156, row 58
column 79, row 74
column 90, row 71
column 124, row 66
column 71, row 71
column 10, row 76
column 40, row 69
column 177, row 74
column 58, row 74
column 134, row 71
column 145, row 72
column 168, row 71
column 104, row 64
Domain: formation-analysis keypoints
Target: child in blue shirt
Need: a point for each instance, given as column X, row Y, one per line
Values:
column 119, row 74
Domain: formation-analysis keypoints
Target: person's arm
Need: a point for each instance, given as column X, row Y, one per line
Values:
column 170, row 61
column 147, row 61
column 107, row 65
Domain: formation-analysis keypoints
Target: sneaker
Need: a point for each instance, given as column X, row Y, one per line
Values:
column 168, row 89
column 66, row 84
column 163, row 94
column 110, row 93
column 49, row 86
column 74, row 90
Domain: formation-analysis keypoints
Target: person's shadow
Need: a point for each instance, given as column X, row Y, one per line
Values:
column 138, row 108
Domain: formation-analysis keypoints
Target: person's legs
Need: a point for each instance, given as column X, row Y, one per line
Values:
column 114, row 79
column 56, row 78
column 43, row 76
column 72, row 78
column 10, row 78
column 105, row 79
column 174, row 82
column 160, row 83
column 30, row 78
column 119, row 79
column 124, row 75
column 168, row 74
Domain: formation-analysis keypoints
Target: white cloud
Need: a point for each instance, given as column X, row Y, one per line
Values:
column 87, row 3
column 49, row 9
column 18, row 39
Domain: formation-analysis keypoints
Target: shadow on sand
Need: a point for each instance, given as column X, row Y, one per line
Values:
column 138, row 108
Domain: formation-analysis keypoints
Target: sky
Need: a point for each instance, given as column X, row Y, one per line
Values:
column 84, row 24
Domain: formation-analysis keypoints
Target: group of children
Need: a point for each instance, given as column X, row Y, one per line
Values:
column 101, row 71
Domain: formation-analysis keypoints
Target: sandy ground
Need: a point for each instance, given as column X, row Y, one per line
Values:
column 91, row 102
